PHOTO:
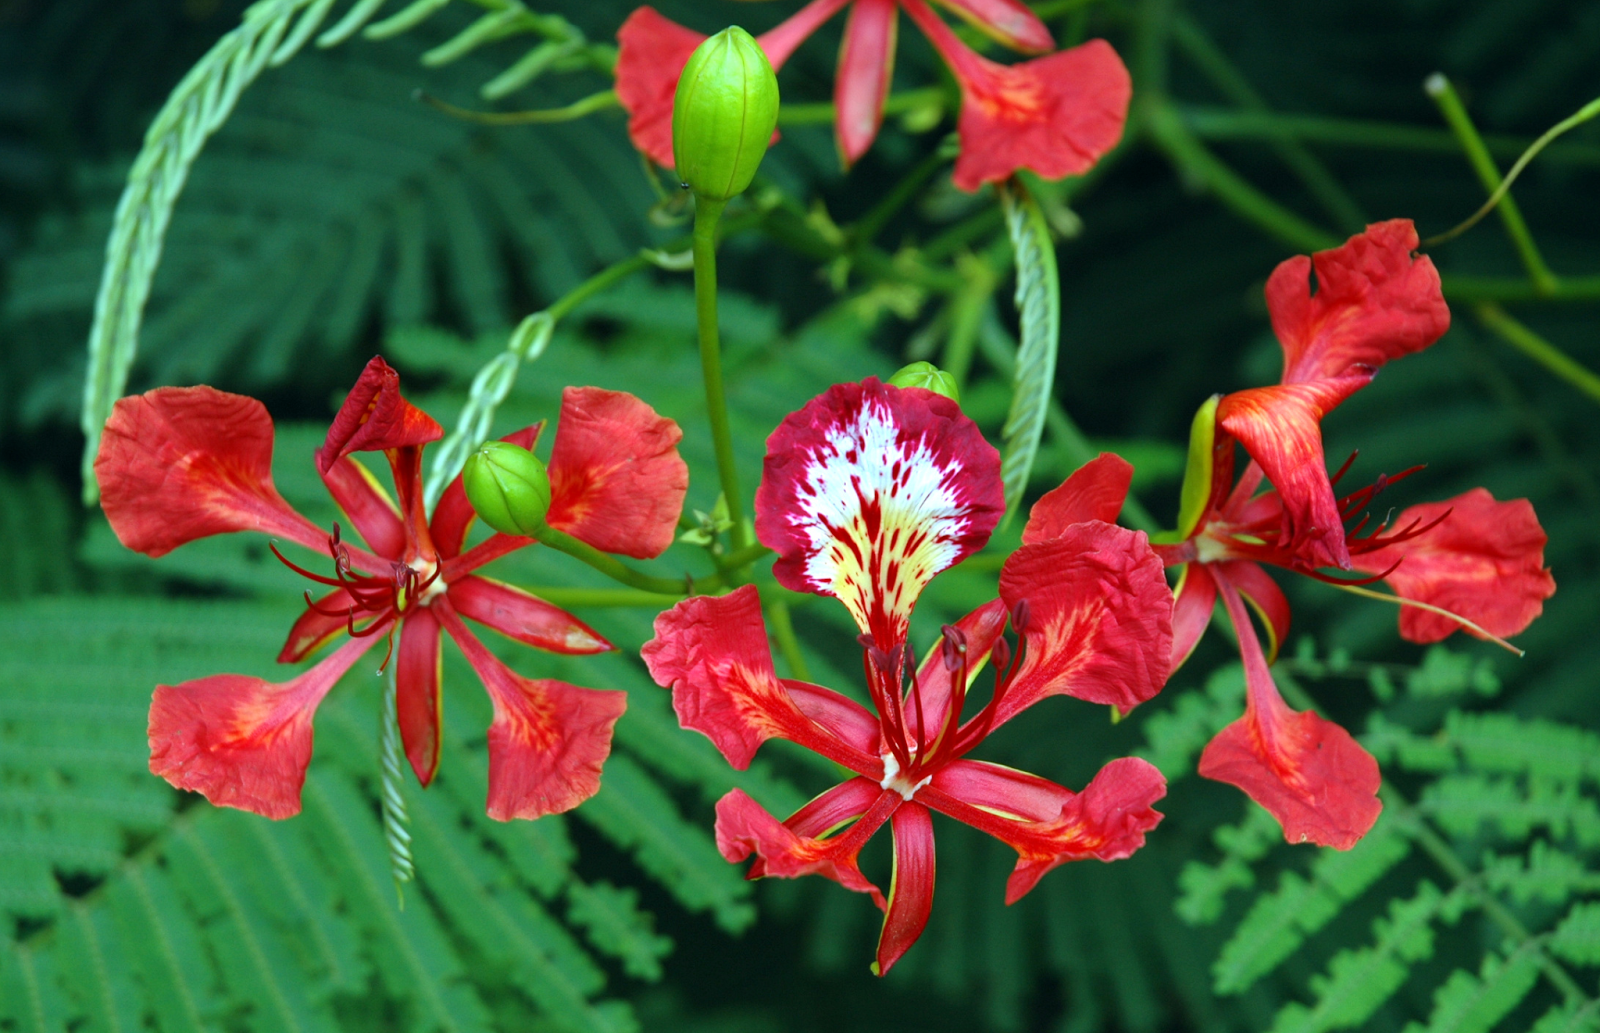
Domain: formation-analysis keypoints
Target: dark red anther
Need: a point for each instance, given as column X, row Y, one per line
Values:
column 954, row 648
column 1020, row 615
column 1001, row 656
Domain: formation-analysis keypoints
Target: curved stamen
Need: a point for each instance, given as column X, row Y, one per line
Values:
column 1441, row 611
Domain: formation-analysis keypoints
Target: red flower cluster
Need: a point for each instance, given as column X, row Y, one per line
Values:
column 1470, row 562
column 1055, row 115
column 869, row 491
column 177, row 464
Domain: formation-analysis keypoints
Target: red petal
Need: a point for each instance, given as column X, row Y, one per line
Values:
column 744, row 828
column 312, row 630
column 780, row 41
column 548, row 740
column 453, row 516
column 1055, row 115
column 839, row 714
column 1264, row 596
column 712, row 652
column 1100, row 625
column 1192, row 604
column 616, row 479
column 526, row 618
column 1281, row 428
column 1485, row 561
column 1308, row 772
column 367, row 506
column 1006, row 791
column 911, row 891
column 374, row 418
column 829, row 810
column 1107, row 820
column 1008, row 21
column 1095, row 491
column 417, row 674
column 181, row 463
column 651, row 54
column 1374, row 302
column 866, row 68
column 871, row 490
column 240, row 741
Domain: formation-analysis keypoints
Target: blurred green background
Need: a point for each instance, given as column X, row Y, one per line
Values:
column 334, row 217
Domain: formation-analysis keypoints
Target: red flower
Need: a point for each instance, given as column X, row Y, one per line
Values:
column 869, row 491
column 1055, row 115
column 1470, row 559
column 178, row 464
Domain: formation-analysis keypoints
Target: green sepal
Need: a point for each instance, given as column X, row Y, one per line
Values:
column 929, row 377
column 1198, row 470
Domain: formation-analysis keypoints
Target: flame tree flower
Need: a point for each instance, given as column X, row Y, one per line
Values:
column 177, row 464
column 1471, row 562
column 1055, row 114
column 868, row 492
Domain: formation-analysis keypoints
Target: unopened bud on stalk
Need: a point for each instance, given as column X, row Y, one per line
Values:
column 723, row 115
column 508, row 487
column 927, row 375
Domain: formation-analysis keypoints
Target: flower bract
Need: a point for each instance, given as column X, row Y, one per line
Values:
column 178, row 464
column 868, row 492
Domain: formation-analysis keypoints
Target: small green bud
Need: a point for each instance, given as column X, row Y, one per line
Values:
column 723, row 115
column 927, row 375
column 508, row 487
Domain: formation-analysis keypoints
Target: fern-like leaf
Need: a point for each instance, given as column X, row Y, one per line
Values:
column 271, row 32
column 1039, row 305
column 1475, row 1004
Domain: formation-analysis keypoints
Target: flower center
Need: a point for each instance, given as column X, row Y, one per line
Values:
column 899, row 781
column 383, row 598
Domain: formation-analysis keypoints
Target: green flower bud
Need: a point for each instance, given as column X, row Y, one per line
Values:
column 723, row 115
column 927, row 375
column 508, row 487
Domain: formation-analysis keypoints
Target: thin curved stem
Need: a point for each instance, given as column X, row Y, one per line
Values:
column 706, row 214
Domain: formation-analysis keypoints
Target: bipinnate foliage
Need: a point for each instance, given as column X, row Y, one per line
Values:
column 1502, row 837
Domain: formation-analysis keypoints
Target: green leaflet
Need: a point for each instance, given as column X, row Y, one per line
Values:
column 1038, row 300
column 1474, row 1004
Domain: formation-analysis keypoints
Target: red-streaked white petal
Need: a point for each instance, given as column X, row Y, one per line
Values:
column 548, row 739
column 1484, row 562
column 1307, row 771
column 526, row 618
column 712, row 652
column 1108, row 821
column 911, row 890
column 744, row 827
column 240, row 741
column 1100, row 619
column 375, row 418
column 871, row 490
column 1281, row 428
column 1009, row 21
column 417, row 675
column 1055, row 115
column 1374, row 302
column 1192, row 603
column 1095, row 491
column 616, row 479
column 181, row 463
column 866, row 68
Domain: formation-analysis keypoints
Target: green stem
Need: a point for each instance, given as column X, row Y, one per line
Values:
column 782, row 628
column 602, row 598
column 576, row 110
column 620, row 572
column 1460, row 123
column 868, row 228
column 597, row 283
column 1195, row 161
column 967, row 307
column 706, row 214
column 1538, row 349
column 824, row 114
column 1209, row 58
column 1459, row 288
column 1214, row 123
